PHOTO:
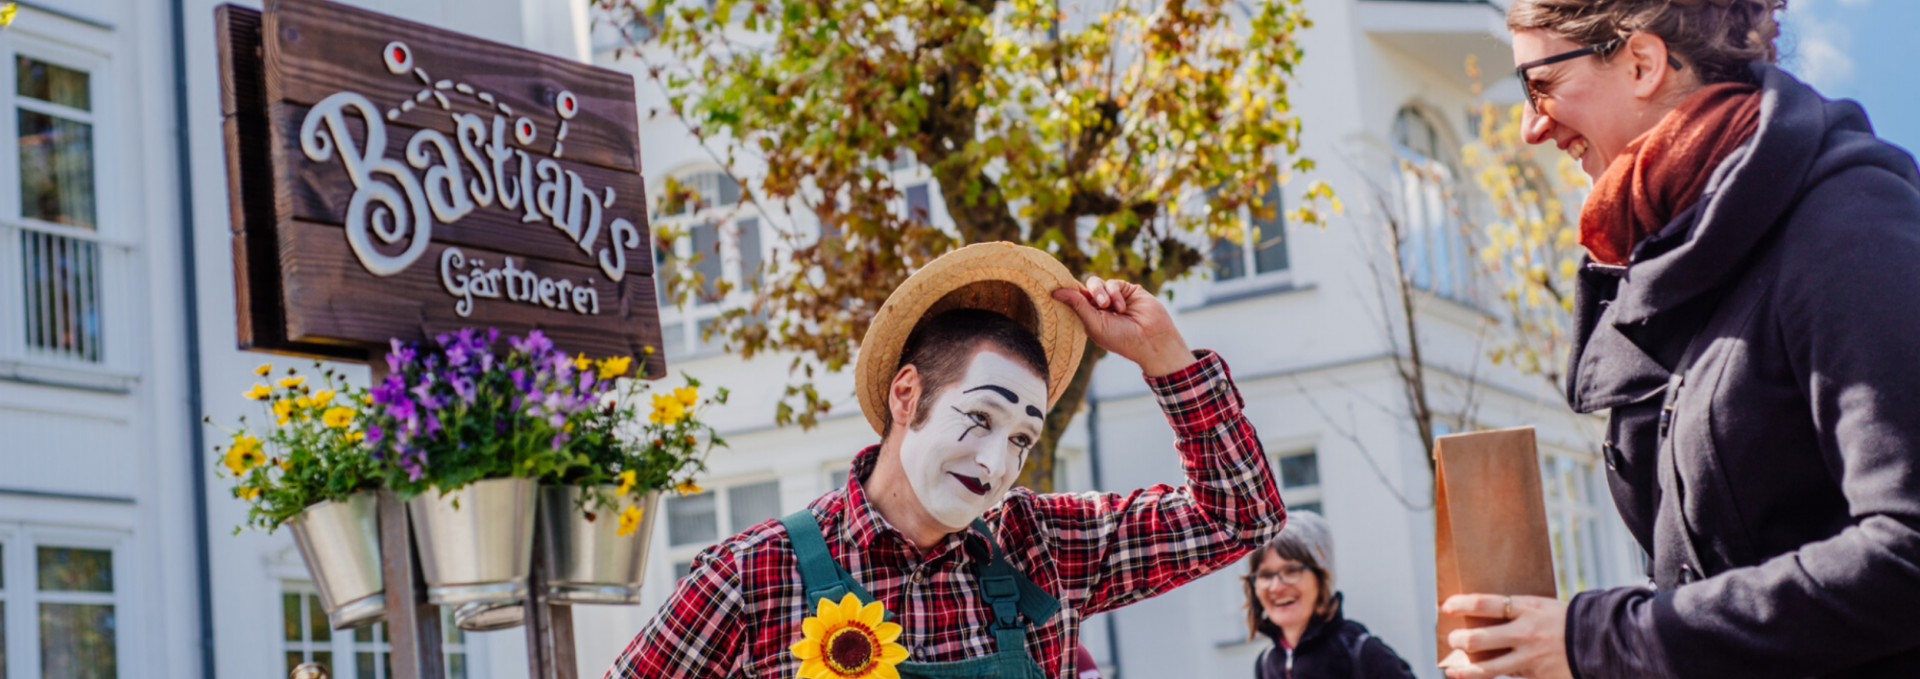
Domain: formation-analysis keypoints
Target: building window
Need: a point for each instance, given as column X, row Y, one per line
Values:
column 1433, row 247
column 694, row 521
column 1261, row 249
column 309, row 639
column 59, row 606
column 1300, row 480
column 1572, row 521
column 59, row 249
column 722, row 246
column 365, row 652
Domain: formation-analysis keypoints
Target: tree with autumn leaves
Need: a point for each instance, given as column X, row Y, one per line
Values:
column 1121, row 140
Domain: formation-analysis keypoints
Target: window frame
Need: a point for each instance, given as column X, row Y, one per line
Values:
column 675, row 555
column 113, row 236
column 1442, row 193
column 346, row 649
column 1251, row 277
column 19, row 589
column 727, row 221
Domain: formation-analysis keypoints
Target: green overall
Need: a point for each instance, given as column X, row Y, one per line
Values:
column 1006, row 590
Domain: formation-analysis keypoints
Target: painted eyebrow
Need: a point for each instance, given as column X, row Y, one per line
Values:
column 1002, row 391
column 1010, row 396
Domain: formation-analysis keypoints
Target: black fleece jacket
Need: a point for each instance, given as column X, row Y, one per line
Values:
column 1782, row 504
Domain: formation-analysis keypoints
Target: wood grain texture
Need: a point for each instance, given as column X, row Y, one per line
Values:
column 320, row 192
column 316, row 48
column 259, row 324
column 413, row 625
column 330, row 298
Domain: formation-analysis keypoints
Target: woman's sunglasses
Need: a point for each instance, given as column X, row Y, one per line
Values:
column 1526, row 84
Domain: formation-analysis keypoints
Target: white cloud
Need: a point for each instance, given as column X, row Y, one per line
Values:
column 1818, row 49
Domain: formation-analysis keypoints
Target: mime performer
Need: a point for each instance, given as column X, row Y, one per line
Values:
column 928, row 563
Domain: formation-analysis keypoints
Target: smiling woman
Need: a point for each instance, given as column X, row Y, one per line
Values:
column 1742, row 318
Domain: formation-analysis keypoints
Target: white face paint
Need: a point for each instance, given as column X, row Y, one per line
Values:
column 970, row 449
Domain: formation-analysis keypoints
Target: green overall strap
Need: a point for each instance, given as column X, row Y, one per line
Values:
column 820, row 576
column 1009, row 593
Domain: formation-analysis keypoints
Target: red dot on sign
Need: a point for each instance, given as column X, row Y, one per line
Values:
column 568, row 103
column 399, row 55
column 526, row 128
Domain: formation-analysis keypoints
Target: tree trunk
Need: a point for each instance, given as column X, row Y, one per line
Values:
column 1038, row 474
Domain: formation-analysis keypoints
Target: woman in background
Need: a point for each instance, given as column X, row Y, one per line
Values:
column 1291, row 599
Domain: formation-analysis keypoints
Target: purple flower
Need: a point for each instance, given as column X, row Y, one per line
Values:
column 535, row 344
column 375, row 433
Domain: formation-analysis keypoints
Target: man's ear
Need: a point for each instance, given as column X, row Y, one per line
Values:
column 1646, row 54
column 903, row 395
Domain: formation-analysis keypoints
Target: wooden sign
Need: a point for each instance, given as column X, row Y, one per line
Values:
column 392, row 180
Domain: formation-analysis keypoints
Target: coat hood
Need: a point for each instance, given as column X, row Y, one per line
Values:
column 1802, row 139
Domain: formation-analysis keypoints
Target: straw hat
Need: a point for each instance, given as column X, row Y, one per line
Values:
column 1015, row 281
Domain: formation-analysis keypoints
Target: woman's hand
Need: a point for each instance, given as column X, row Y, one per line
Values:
column 1123, row 318
column 1536, row 632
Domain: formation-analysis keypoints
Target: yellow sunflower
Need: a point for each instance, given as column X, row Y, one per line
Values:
column 291, row 382
column 263, row 369
column 849, row 641
column 627, row 480
column 581, row 362
column 687, row 396
column 259, row 391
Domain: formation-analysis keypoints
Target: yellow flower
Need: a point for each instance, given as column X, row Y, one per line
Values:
column 337, row 417
column 649, row 350
column 303, row 402
column 291, row 382
column 627, row 479
column 615, row 367
column 688, row 488
column 259, row 391
column 244, row 454
column 666, row 410
column 581, row 363
column 323, row 397
column 355, row 436
column 849, row 641
column 284, row 464
column 629, row 521
column 246, row 492
column 263, row 369
column 687, row 396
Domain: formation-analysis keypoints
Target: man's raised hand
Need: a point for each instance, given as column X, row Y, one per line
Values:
column 1123, row 318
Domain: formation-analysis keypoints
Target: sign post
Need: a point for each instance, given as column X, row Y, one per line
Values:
column 391, row 180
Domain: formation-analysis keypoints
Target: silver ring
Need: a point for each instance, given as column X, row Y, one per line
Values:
column 1509, row 609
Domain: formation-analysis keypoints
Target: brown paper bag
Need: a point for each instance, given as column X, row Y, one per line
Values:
column 1491, row 526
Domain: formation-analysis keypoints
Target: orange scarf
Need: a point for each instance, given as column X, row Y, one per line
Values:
column 1663, row 171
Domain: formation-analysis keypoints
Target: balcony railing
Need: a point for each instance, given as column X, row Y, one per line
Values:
column 59, row 304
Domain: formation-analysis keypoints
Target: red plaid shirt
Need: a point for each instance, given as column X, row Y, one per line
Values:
column 739, row 609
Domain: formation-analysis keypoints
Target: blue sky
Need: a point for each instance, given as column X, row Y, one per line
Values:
column 1864, row 50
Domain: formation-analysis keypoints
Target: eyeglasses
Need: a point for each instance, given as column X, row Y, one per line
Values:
column 1526, row 84
column 1289, row 574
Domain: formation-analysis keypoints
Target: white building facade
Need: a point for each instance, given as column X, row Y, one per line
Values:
column 117, row 555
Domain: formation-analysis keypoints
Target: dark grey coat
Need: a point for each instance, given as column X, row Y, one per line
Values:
column 1783, row 515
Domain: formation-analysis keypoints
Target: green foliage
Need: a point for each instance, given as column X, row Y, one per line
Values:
column 1123, row 141
column 312, row 453
column 665, row 452
column 1532, row 249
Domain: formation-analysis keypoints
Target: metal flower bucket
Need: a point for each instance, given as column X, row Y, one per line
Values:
column 589, row 562
column 340, row 542
column 476, row 543
column 491, row 616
